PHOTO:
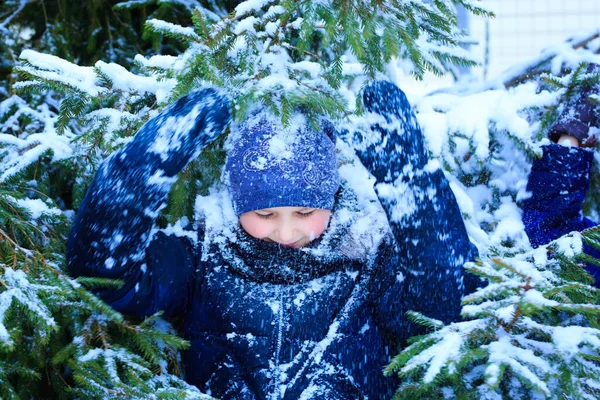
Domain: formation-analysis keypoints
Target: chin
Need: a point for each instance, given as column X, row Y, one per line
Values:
column 296, row 244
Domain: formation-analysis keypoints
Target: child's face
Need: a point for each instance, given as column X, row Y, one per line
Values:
column 288, row 226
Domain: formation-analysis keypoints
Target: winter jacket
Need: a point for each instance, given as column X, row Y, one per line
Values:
column 558, row 183
column 265, row 321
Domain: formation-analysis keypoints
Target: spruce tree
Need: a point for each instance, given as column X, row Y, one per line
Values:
column 532, row 332
column 77, row 104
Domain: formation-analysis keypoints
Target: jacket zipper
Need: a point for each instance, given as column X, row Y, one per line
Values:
column 277, row 395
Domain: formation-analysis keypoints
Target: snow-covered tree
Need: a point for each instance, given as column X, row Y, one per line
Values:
column 74, row 105
column 82, row 92
column 532, row 331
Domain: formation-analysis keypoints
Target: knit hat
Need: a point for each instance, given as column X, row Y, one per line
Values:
column 269, row 165
column 579, row 115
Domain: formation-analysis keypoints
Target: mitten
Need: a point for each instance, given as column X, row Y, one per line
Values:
column 112, row 228
column 396, row 141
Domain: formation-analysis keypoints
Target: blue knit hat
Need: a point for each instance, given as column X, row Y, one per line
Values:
column 272, row 166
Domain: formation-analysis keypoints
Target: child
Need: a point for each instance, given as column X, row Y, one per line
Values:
column 560, row 180
column 289, row 303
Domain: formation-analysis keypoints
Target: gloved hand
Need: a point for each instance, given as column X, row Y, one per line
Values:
column 112, row 228
column 394, row 140
column 171, row 139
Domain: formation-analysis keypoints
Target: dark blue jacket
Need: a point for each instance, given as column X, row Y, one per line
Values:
column 558, row 183
column 265, row 321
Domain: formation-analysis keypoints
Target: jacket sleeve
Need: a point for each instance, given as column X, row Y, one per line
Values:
column 422, row 270
column 111, row 235
column 558, row 183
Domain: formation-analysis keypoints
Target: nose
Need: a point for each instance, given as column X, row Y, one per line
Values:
column 286, row 232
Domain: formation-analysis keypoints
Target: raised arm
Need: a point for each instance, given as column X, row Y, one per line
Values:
column 423, row 270
column 111, row 235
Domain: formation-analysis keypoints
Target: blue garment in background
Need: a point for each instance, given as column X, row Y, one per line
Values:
column 558, row 183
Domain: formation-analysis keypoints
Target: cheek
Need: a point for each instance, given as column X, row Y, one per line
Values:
column 255, row 226
column 316, row 225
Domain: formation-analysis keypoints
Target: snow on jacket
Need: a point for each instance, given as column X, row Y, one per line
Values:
column 265, row 321
column 558, row 183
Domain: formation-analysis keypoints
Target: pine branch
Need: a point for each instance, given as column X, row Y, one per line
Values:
column 540, row 66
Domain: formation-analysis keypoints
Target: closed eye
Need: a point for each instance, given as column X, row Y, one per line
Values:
column 305, row 214
column 265, row 216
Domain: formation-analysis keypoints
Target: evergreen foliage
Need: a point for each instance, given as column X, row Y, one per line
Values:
column 533, row 332
column 289, row 54
column 106, row 77
column 62, row 118
column 85, row 31
column 56, row 338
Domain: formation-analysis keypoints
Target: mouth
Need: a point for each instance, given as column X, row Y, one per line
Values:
column 293, row 244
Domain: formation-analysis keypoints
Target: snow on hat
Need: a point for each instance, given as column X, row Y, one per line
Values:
column 269, row 165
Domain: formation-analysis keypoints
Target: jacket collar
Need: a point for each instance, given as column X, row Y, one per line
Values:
column 351, row 239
